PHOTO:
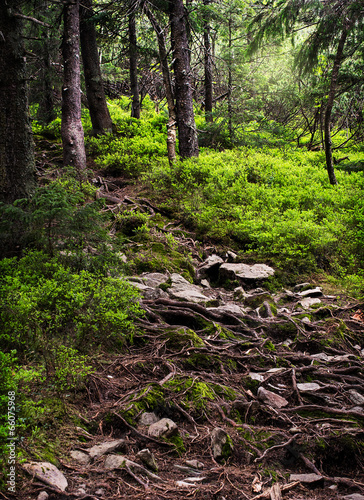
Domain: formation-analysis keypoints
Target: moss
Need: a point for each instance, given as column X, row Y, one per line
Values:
column 195, row 391
column 228, row 448
column 178, row 443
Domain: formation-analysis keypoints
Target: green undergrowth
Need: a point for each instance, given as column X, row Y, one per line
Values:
column 264, row 196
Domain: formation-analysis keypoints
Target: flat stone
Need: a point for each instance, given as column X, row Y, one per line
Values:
column 195, row 464
column 43, row 495
column 271, row 398
column 48, row 473
column 115, row 462
column 353, row 496
column 181, row 289
column 256, row 376
column 308, row 387
column 308, row 302
column 107, row 447
column 321, row 356
column 312, row 292
column 221, row 444
column 80, row 457
column 205, row 283
column 245, row 273
column 306, row 478
column 356, row 397
column 209, row 266
column 229, row 308
column 231, row 256
column 163, row 428
column 148, row 418
column 153, row 279
column 149, row 293
column 148, row 459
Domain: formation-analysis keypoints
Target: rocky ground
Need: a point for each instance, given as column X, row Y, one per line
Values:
column 231, row 392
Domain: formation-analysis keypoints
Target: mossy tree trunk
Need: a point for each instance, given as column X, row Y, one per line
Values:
column 99, row 112
column 17, row 167
column 187, row 133
column 73, row 141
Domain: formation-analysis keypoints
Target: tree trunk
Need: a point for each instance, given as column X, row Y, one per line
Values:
column 230, row 84
column 46, row 111
column 17, row 168
column 187, row 133
column 329, row 105
column 133, row 60
column 208, row 66
column 71, row 129
column 172, row 119
column 99, row 113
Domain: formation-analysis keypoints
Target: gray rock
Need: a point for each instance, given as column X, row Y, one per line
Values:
column 306, row 478
column 153, row 279
column 302, row 286
column 353, row 496
column 312, row 292
column 181, row 289
column 149, row 293
column 308, row 387
column 81, row 491
column 115, row 462
column 205, row 284
column 231, row 256
column 256, row 376
column 107, row 447
column 148, row 459
column 271, row 398
column 308, row 302
column 163, row 428
column 80, row 457
column 195, row 464
column 209, row 266
column 245, row 273
column 229, row 308
column 321, row 356
column 356, row 397
column 221, row 444
column 148, row 418
column 265, row 310
column 100, row 492
column 48, row 473
column 43, row 495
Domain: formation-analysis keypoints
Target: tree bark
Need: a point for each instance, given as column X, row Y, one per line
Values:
column 187, row 133
column 329, row 105
column 71, row 129
column 17, row 167
column 46, row 111
column 167, row 81
column 208, row 66
column 99, row 113
column 133, row 61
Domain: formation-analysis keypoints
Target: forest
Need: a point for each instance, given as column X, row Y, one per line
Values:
column 181, row 249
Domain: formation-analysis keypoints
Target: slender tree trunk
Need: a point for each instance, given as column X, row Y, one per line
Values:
column 99, row 113
column 46, row 111
column 17, row 168
column 187, row 133
column 172, row 118
column 208, row 67
column 230, row 83
column 71, row 129
column 329, row 105
column 133, row 60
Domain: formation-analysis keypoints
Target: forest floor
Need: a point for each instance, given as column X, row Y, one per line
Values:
column 282, row 378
